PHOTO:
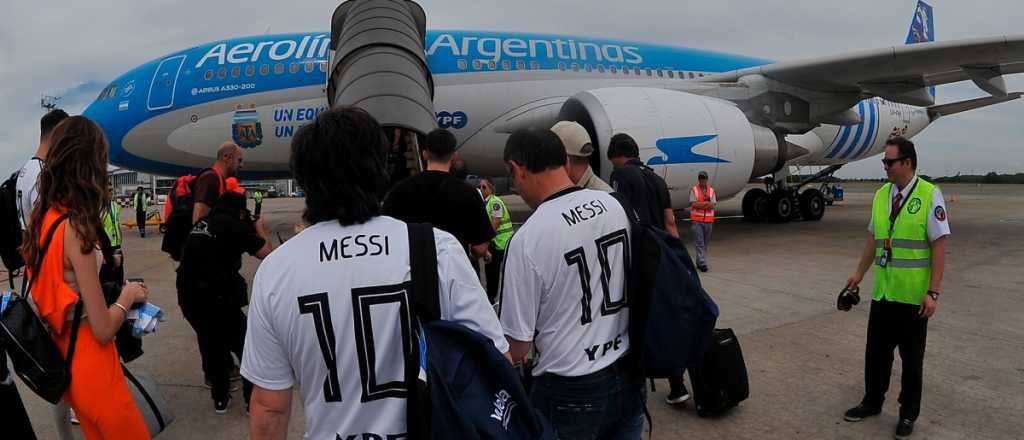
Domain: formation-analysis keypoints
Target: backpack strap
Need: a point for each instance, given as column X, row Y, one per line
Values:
column 426, row 307
column 426, row 301
column 26, row 288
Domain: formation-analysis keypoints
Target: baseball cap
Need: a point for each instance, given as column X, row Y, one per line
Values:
column 574, row 137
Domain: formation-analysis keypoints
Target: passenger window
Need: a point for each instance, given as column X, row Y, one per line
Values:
column 615, row 70
column 293, row 68
column 506, row 65
column 590, row 68
column 222, row 73
column 264, row 69
column 208, row 75
column 236, row 72
column 521, row 65
column 323, row 66
column 648, row 72
column 476, row 64
column 493, row 65
column 661, row 73
column 308, row 67
column 561, row 66
column 575, row 67
column 278, row 69
column 636, row 71
column 691, row 75
column 463, row 65
column 671, row 74
column 600, row 68
column 250, row 70
column 534, row 65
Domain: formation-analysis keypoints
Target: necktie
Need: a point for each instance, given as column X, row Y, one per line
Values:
column 895, row 211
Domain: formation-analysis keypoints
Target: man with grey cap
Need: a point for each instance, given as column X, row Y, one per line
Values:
column 578, row 149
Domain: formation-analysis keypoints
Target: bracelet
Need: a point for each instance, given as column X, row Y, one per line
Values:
column 934, row 295
column 123, row 309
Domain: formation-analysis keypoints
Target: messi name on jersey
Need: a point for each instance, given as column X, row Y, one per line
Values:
column 584, row 212
column 352, row 246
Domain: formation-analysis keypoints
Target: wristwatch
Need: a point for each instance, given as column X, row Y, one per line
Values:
column 934, row 295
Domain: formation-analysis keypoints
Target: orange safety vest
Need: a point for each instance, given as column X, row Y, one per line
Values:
column 703, row 215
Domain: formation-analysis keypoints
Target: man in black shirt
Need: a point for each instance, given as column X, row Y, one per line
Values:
column 644, row 189
column 211, row 292
column 648, row 194
column 441, row 199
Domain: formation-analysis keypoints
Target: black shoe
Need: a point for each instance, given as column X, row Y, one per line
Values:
column 861, row 412
column 231, row 388
column 904, row 429
column 221, row 406
column 677, row 397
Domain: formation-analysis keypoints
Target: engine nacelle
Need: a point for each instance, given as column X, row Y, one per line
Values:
column 680, row 134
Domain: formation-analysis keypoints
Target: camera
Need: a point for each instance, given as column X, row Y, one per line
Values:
column 848, row 298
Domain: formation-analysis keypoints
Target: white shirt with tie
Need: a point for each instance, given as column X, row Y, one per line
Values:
column 938, row 219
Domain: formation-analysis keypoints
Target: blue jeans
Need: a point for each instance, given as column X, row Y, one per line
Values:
column 607, row 404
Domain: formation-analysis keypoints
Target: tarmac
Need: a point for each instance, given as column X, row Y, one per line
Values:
column 776, row 286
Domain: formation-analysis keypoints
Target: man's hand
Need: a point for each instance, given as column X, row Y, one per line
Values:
column 928, row 307
column 854, row 281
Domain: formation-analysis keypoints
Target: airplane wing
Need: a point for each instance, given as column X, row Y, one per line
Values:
column 902, row 74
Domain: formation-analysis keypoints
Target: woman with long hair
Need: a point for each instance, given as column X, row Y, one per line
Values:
column 74, row 183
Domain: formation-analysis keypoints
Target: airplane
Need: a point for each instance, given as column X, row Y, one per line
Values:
column 735, row 117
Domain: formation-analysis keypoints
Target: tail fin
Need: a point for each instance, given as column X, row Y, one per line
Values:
column 922, row 29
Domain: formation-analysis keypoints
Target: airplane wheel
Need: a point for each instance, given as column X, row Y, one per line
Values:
column 754, row 204
column 812, row 205
column 780, row 207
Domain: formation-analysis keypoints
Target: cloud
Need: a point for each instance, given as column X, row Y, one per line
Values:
column 75, row 48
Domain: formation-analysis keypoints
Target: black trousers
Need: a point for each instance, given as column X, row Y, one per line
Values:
column 493, row 272
column 16, row 423
column 220, row 331
column 140, row 221
column 894, row 325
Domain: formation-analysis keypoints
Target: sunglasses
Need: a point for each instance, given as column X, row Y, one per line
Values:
column 889, row 162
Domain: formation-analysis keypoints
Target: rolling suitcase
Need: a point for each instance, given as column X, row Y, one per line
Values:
column 719, row 378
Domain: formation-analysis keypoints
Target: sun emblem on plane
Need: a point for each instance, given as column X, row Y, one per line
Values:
column 246, row 129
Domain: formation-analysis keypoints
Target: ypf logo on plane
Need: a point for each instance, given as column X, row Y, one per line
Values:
column 454, row 120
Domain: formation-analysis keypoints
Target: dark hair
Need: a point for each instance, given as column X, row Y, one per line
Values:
column 623, row 145
column 441, row 144
column 538, row 149
column 50, row 120
column 339, row 160
column 74, row 180
column 906, row 149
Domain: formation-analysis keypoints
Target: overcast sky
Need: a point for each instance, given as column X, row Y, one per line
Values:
column 73, row 49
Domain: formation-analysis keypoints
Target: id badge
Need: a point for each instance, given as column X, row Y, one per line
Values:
column 886, row 256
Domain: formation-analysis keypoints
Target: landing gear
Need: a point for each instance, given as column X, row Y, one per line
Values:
column 780, row 203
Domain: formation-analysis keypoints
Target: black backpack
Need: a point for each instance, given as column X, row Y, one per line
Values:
column 671, row 317
column 10, row 227
column 179, row 222
column 36, row 358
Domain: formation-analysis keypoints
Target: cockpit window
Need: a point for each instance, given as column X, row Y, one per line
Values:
column 108, row 92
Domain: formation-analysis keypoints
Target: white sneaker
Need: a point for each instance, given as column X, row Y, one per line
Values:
column 74, row 418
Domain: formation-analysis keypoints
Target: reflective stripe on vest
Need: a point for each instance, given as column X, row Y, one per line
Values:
column 907, row 273
column 703, row 215
column 505, row 228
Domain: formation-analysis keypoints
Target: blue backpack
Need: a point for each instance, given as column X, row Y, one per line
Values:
column 671, row 317
column 471, row 390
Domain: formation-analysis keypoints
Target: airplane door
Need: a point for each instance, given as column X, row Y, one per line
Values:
column 165, row 79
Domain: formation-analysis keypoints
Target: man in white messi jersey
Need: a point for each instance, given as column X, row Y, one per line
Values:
column 564, row 294
column 329, row 307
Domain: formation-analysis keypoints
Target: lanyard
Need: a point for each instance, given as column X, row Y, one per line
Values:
column 892, row 224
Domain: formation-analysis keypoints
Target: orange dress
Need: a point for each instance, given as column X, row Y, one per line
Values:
column 98, row 392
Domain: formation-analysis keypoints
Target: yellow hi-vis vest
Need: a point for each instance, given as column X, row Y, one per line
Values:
column 907, row 274
column 111, row 223
column 505, row 228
